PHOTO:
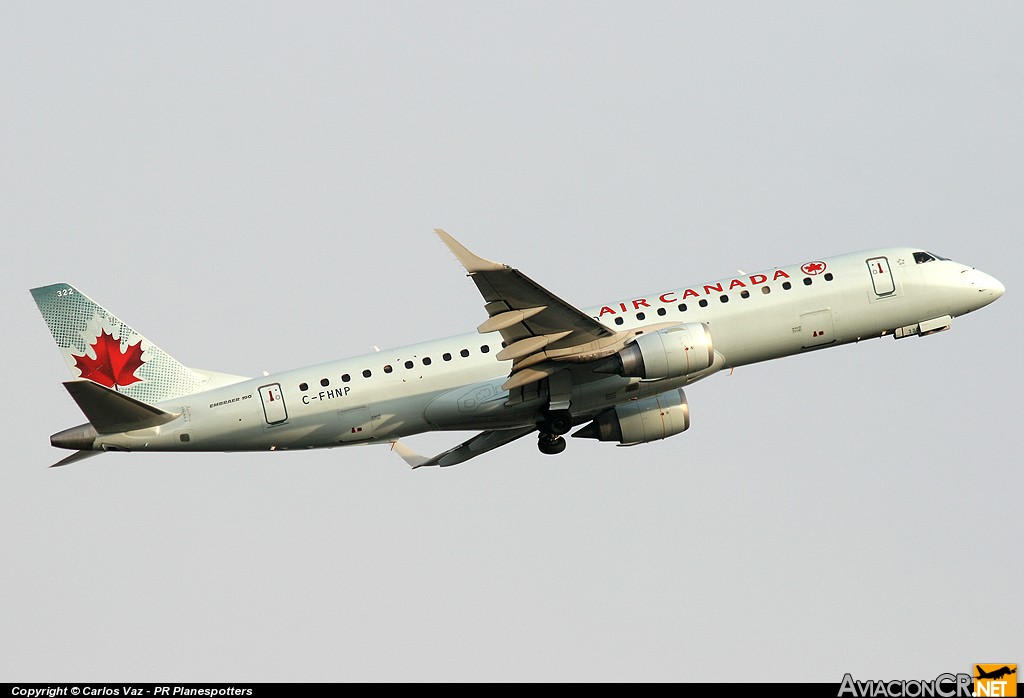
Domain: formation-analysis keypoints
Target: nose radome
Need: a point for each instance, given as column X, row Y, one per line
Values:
column 990, row 285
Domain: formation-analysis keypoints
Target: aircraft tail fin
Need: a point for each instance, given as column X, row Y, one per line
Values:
column 100, row 347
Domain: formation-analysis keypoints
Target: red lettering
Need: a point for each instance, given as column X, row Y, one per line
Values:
column 606, row 311
column 690, row 292
column 623, row 306
column 758, row 279
column 779, row 274
column 664, row 298
column 736, row 283
column 716, row 287
column 640, row 302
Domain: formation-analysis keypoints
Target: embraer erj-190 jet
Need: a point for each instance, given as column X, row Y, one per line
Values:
column 535, row 364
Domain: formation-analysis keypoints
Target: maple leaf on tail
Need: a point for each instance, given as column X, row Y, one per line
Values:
column 111, row 367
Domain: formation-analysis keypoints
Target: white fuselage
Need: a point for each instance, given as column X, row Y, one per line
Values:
column 455, row 383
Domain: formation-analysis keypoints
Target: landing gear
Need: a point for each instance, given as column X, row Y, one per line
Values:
column 550, row 444
column 557, row 422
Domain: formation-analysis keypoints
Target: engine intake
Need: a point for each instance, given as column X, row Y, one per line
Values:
column 650, row 419
column 669, row 353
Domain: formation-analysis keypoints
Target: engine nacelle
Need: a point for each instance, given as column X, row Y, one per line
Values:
column 639, row 422
column 669, row 353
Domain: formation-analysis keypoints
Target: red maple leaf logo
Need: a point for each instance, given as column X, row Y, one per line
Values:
column 111, row 367
column 813, row 268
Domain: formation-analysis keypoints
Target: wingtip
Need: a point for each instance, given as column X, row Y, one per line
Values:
column 467, row 259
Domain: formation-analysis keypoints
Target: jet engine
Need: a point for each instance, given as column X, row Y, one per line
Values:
column 669, row 353
column 650, row 419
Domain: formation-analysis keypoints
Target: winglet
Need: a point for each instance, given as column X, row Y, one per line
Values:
column 470, row 261
column 410, row 456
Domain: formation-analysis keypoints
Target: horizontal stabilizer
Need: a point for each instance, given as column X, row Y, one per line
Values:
column 111, row 412
column 74, row 457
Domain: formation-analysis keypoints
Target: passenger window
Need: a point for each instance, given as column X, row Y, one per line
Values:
column 703, row 302
column 408, row 364
column 724, row 299
column 426, row 360
column 682, row 307
column 324, row 382
column 387, row 368
column 661, row 311
column 807, row 281
column 345, row 378
column 766, row 290
column 464, row 353
column 484, row 349
column 303, row 387
column 619, row 321
column 828, row 276
column 640, row 316
column 786, row 285
column 367, row 373
column 744, row 294
column 446, row 356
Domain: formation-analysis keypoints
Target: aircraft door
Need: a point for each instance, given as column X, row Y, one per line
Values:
column 817, row 328
column 355, row 424
column 881, row 276
column 274, row 410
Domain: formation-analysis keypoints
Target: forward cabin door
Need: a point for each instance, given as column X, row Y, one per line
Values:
column 881, row 276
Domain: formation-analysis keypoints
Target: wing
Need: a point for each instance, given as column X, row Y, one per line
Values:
column 481, row 443
column 541, row 331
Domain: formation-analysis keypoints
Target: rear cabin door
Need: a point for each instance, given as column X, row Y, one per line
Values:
column 274, row 410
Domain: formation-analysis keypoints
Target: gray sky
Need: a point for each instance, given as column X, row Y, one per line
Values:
column 253, row 185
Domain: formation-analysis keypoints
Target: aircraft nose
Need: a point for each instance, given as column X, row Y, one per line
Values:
column 985, row 288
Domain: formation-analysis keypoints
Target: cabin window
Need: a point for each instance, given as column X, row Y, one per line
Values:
column 367, row 373
column 303, row 387
column 703, row 302
column 828, row 276
column 325, row 382
column 744, row 294
column 682, row 307
column 619, row 321
column 640, row 316
column 408, row 364
column 426, row 360
column 661, row 311
column 184, row 438
column 766, row 290
column 447, row 356
column 484, row 349
column 345, row 378
column 808, row 281
column 387, row 368
column 464, row 353
column 786, row 285
column 724, row 299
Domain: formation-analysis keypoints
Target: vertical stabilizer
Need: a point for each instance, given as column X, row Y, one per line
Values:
column 100, row 347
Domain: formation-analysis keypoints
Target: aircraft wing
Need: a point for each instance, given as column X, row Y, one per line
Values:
column 539, row 328
column 481, row 443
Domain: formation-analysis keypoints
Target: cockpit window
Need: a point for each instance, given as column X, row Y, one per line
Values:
column 922, row 257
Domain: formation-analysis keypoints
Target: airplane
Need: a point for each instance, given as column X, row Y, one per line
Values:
column 536, row 363
column 995, row 674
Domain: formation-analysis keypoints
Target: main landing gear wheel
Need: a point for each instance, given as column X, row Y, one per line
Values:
column 550, row 444
column 557, row 422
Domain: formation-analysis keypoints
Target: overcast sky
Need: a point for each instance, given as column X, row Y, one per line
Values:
column 253, row 186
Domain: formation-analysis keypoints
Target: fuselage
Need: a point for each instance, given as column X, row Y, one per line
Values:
column 455, row 383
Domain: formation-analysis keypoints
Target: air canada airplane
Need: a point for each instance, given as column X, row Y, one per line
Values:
column 535, row 364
